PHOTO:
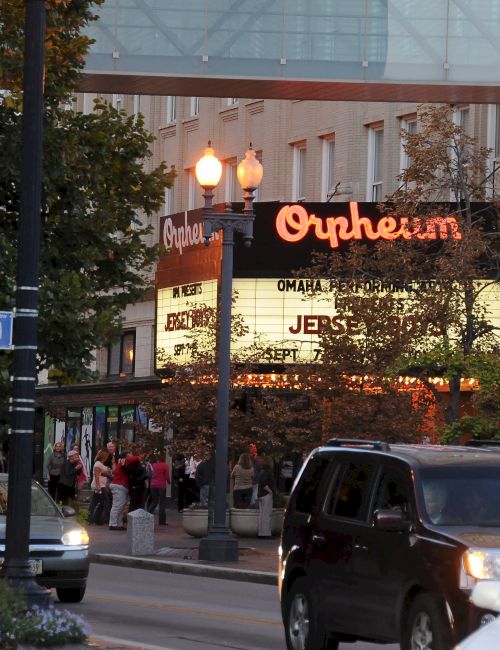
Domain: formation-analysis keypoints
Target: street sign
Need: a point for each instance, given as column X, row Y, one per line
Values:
column 6, row 321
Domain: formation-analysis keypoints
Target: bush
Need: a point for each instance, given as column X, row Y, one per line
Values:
column 36, row 626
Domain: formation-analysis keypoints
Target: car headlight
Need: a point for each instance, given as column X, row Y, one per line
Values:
column 482, row 564
column 75, row 538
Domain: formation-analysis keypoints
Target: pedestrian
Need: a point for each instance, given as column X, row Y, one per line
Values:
column 179, row 480
column 66, row 489
column 159, row 481
column 257, row 468
column 82, row 477
column 54, row 464
column 119, row 488
column 265, row 493
column 139, row 473
column 99, row 501
column 190, row 489
column 203, row 477
column 242, row 476
column 111, row 449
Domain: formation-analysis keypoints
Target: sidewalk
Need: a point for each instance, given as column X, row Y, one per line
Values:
column 177, row 552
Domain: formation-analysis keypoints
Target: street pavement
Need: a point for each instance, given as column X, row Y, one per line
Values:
column 177, row 552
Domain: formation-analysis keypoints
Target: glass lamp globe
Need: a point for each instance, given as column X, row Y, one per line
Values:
column 208, row 169
column 250, row 171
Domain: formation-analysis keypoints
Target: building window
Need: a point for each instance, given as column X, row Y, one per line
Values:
column 171, row 109
column 194, row 107
column 192, row 188
column 299, row 172
column 117, row 102
column 232, row 101
column 232, row 192
column 258, row 192
column 121, row 356
column 328, row 173
column 375, row 163
column 409, row 125
column 137, row 106
column 168, row 201
column 461, row 117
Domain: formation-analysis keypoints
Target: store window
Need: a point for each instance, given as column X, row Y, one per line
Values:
column 299, row 172
column 375, row 162
column 121, row 356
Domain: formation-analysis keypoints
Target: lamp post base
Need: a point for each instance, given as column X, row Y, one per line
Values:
column 21, row 579
column 218, row 546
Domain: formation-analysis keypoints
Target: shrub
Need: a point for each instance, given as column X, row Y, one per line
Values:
column 36, row 626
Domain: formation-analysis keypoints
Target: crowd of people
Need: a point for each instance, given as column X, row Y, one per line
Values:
column 123, row 482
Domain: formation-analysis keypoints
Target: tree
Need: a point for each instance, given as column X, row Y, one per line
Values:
column 99, row 195
column 432, row 318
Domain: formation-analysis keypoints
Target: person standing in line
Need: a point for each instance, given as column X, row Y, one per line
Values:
column 203, row 476
column 66, row 490
column 257, row 468
column 158, row 486
column 190, row 489
column 82, row 477
column 56, row 461
column 242, row 476
column 119, row 487
column 99, row 485
column 111, row 449
column 265, row 494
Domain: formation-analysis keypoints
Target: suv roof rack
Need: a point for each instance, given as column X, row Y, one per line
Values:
column 379, row 445
column 481, row 443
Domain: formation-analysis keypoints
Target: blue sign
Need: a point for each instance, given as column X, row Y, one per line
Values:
column 6, row 321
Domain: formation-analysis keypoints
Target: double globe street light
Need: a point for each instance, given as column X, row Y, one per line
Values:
column 220, row 545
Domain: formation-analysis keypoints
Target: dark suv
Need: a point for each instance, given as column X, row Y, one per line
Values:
column 385, row 543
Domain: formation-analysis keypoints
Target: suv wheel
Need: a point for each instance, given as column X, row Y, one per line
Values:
column 70, row 594
column 426, row 627
column 302, row 630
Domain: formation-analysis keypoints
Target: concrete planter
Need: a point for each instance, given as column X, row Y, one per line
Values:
column 244, row 522
column 277, row 518
column 195, row 522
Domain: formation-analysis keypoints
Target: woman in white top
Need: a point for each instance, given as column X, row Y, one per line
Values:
column 100, row 489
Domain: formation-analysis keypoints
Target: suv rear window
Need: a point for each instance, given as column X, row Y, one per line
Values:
column 307, row 490
column 352, row 497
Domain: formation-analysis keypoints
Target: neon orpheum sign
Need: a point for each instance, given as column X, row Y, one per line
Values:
column 293, row 223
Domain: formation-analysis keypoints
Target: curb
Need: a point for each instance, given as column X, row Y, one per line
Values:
column 199, row 569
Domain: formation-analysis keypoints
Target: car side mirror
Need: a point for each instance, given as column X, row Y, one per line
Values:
column 390, row 520
column 68, row 511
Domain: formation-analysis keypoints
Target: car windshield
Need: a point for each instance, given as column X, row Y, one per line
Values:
column 462, row 496
column 41, row 504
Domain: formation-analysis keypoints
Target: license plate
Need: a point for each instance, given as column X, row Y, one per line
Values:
column 36, row 567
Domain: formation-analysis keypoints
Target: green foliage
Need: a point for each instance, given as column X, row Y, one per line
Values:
column 469, row 427
column 40, row 627
column 100, row 193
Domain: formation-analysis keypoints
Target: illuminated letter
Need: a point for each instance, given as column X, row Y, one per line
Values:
column 358, row 221
column 292, row 223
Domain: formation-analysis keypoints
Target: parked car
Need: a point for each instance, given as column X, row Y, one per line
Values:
column 486, row 594
column 59, row 550
column 385, row 543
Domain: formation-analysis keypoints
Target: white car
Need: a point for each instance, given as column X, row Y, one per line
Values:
column 486, row 595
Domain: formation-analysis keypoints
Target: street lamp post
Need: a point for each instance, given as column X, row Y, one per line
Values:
column 16, row 568
column 219, row 545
